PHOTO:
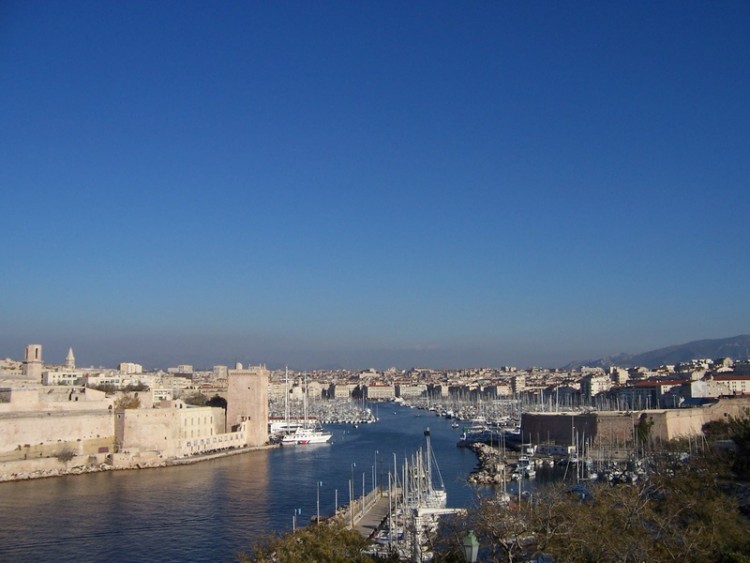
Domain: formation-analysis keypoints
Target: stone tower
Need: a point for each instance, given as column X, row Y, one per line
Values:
column 70, row 360
column 32, row 362
column 247, row 401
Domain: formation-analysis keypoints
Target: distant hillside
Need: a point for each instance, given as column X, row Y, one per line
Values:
column 735, row 347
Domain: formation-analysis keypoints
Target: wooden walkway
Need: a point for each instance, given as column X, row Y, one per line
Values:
column 373, row 517
column 366, row 521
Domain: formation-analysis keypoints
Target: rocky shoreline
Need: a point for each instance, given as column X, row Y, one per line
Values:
column 491, row 466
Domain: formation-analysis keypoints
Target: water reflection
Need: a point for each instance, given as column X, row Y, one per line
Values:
column 212, row 510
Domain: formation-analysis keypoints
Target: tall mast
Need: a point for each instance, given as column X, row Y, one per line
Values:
column 286, row 400
column 304, row 400
column 429, row 459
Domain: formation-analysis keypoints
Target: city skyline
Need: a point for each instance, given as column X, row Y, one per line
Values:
column 372, row 185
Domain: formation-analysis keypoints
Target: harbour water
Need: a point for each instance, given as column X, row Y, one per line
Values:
column 212, row 510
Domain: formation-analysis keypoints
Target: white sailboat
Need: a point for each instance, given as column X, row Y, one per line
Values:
column 422, row 500
column 307, row 433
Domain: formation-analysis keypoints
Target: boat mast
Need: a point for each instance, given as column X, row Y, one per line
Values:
column 429, row 459
column 304, row 400
column 286, row 400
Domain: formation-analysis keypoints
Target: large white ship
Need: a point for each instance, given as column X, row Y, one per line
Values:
column 306, row 433
column 309, row 435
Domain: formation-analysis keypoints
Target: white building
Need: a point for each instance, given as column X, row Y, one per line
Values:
column 63, row 377
column 380, row 392
column 411, row 390
column 99, row 379
column 592, row 385
column 736, row 384
column 130, row 368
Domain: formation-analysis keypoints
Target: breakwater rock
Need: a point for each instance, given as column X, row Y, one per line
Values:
column 490, row 469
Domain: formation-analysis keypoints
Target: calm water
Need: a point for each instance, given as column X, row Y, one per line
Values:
column 211, row 510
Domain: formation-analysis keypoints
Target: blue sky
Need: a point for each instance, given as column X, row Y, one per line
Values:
column 372, row 184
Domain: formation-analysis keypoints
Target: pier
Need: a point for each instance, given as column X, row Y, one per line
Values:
column 370, row 520
column 366, row 516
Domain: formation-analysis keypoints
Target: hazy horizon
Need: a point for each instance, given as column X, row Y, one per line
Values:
column 303, row 360
column 371, row 185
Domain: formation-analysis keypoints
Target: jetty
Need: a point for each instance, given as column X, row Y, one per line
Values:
column 368, row 520
column 367, row 515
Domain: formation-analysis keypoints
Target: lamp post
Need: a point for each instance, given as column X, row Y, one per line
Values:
column 351, row 495
column 320, row 483
column 471, row 547
column 351, row 505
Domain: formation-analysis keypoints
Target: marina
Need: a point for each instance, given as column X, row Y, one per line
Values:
column 211, row 510
column 372, row 475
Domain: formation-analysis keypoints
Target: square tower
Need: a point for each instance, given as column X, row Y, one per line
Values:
column 247, row 401
column 32, row 362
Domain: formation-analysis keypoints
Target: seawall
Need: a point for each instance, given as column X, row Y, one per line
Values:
column 47, row 467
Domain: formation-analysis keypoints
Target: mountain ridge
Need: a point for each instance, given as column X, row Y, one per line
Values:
column 735, row 347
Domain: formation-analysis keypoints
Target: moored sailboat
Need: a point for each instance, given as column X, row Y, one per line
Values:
column 307, row 433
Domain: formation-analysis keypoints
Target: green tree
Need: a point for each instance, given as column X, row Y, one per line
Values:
column 108, row 388
column 686, row 510
column 326, row 543
column 739, row 430
column 197, row 399
column 65, row 454
column 717, row 430
column 217, row 401
column 127, row 401
column 643, row 430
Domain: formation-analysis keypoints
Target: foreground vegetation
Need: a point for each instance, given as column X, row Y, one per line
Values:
column 330, row 543
column 691, row 508
column 687, row 510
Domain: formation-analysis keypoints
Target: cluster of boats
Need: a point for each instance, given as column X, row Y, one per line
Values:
column 418, row 499
column 298, row 433
column 503, row 433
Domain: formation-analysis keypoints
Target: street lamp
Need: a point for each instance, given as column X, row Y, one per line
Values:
column 320, row 484
column 471, row 547
column 351, row 494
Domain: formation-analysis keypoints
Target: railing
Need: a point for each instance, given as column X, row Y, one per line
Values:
column 352, row 513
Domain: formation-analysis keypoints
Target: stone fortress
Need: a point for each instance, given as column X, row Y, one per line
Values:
column 50, row 424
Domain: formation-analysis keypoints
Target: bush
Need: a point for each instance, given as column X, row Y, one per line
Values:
column 65, row 455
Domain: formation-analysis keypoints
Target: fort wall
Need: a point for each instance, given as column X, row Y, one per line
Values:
column 45, row 433
column 610, row 428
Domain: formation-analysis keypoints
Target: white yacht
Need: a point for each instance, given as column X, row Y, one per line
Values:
column 306, row 433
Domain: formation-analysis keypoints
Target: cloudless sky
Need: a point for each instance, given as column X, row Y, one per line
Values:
column 372, row 184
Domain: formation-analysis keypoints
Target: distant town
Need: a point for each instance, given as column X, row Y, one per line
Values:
column 57, row 418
